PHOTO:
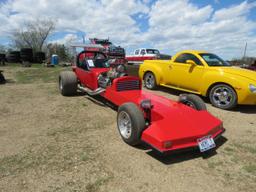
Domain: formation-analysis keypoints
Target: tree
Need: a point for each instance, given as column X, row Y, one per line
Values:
column 33, row 35
column 2, row 49
column 60, row 49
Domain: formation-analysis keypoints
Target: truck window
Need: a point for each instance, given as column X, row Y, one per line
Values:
column 143, row 52
column 187, row 56
column 137, row 52
column 152, row 51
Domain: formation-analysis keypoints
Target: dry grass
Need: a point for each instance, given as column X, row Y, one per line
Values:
column 54, row 143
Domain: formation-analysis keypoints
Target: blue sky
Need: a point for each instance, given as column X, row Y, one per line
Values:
column 220, row 26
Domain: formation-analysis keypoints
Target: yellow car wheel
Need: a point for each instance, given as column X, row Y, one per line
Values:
column 223, row 96
column 150, row 80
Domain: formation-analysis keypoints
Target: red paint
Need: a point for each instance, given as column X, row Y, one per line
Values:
column 171, row 121
column 140, row 58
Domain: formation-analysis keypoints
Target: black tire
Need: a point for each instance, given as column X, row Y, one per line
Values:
column 26, row 54
column 2, row 79
column 193, row 101
column 68, row 83
column 227, row 98
column 150, row 81
column 2, row 56
column 39, row 57
column 137, row 123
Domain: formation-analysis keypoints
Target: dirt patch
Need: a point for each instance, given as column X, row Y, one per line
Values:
column 54, row 143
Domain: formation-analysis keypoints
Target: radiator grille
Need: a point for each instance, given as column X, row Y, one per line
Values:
column 128, row 85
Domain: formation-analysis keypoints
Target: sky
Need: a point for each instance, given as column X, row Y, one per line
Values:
column 219, row 26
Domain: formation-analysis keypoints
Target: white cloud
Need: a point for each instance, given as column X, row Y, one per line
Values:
column 182, row 25
column 234, row 11
column 173, row 26
column 67, row 39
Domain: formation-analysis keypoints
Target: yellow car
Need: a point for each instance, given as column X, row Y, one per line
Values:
column 202, row 73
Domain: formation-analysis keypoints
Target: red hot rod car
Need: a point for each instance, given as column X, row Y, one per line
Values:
column 164, row 124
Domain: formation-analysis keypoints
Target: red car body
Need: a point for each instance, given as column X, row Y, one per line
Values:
column 171, row 121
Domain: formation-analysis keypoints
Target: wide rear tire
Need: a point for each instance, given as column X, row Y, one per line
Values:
column 193, row 101
column 130, row 123
column 68, row 83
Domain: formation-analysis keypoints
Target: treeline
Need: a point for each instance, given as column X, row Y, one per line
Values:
column 35, row 36
column 244, row 61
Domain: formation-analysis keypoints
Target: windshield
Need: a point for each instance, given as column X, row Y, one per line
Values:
column 152, row 51
column 98, row 63
column 213, row 60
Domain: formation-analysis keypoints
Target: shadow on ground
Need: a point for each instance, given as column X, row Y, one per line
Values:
column 240, row 108
column 181, row 156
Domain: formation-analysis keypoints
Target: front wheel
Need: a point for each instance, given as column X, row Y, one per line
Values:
column 223, row 96
column 150, row 80
column 130, row 123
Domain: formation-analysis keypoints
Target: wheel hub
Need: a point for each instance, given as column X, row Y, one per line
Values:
column 124, row 125
column 61, row 86
column 149, row 80
column 222, row 96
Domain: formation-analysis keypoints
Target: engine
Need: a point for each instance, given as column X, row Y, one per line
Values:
column 105, row 79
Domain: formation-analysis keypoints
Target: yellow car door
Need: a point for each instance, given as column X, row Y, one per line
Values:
column 188, row 72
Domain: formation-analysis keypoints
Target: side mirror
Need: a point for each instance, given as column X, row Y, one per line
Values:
column 190, row 62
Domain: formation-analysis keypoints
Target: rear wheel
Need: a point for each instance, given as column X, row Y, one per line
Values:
column 130, row 123
column 193, row 101
column 223, row 96
column 150, row 80
column 67, row 83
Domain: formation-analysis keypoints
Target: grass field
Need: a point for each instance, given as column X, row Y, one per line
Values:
column 53, row 143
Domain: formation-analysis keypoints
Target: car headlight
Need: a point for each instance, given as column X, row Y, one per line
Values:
column 252, row 88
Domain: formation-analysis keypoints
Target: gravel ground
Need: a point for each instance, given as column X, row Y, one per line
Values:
column 53, row 143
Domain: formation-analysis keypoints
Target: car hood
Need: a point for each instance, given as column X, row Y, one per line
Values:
column 239, row 72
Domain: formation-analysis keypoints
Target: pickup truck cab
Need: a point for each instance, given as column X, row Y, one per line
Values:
column 142, row 54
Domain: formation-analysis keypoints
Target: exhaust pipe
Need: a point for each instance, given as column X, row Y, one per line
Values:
column 91, row 92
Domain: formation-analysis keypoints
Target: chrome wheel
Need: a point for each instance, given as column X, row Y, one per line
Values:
column 223, row 96
column 149, row 81
column 124, row 124
column 60, row 84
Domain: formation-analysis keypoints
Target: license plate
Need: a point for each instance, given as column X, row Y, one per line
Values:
column 206, row 143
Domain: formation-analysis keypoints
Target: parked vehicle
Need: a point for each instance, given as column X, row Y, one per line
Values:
column 205, row 74
column 164, row 124
column 141, row 55
column 250, row 67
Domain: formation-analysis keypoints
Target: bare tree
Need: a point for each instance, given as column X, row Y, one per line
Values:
column 33, row 35
column 2, row 49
